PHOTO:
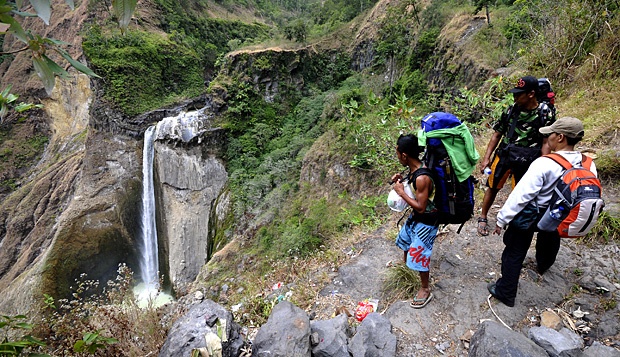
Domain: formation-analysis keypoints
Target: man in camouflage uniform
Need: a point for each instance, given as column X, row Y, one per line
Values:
column 519, row 140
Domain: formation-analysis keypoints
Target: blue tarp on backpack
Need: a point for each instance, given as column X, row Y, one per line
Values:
column 438, row 120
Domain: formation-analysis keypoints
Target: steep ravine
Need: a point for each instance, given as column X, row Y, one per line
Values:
column 91, row 225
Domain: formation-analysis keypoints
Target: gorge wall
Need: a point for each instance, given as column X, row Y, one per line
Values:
column 189, row 179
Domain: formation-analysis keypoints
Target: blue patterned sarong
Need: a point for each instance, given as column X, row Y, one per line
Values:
column 417, row 239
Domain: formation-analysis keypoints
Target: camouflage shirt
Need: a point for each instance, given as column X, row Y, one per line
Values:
column 526, row 131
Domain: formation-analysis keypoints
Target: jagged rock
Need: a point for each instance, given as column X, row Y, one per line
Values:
column 286, row 333
column 599, row 350
column 189, row 331
column 603, row 285
column 494, row 340
column 587, row 282
column 331, row 337
column 607, row 326
column 562, row 344
column 373, row 337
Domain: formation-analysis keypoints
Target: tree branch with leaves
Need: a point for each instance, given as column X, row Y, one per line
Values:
column 39, row 48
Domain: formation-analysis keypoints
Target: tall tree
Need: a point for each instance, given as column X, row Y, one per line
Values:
column 479, row 4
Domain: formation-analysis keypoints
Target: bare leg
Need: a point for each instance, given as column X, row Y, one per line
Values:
column 487, row 201
column 425, row 289
column 405, row 257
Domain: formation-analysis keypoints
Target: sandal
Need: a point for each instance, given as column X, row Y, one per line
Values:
column 420, row 303
column 483, row 230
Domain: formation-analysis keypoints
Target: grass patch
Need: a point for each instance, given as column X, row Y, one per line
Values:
column 401, row 283
column 606, row 230
column 608, row 303
column 608, row 164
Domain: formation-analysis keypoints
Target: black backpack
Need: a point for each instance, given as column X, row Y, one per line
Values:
column 546, row 95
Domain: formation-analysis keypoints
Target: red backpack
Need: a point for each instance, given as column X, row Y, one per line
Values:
column 576, row 202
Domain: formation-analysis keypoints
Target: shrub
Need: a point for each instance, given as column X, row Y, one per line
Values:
column 102, row 324
column 401, row 283
column 143, row 70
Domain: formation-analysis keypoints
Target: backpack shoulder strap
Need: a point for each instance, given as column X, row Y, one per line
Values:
column 513, row 115
column 560, row 160
column 412, row 177
column 586, row 161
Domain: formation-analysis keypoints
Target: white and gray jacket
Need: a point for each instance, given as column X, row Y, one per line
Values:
column 537, row 185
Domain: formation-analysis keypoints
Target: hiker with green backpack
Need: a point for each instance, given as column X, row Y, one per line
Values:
column 417, row 236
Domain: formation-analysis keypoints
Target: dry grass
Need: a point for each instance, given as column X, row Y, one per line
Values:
column 250, row 279
column 111, row 314
column 401, row 283
column 596, row 104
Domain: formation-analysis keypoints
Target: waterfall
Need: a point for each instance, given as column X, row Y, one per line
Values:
column 183, row 127
column 149, row 262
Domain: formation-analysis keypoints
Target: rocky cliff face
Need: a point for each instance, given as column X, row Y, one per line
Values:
column 456, row 63
column 189, row 179
column 68, row 217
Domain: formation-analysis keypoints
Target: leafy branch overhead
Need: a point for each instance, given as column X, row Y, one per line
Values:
column 40, row 47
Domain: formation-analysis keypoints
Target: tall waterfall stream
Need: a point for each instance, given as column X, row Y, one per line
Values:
column 183, row 127
column 147, row 291
column 149, row 262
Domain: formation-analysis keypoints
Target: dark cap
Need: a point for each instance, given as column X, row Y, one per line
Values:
column 525, row 84
column 569, row 126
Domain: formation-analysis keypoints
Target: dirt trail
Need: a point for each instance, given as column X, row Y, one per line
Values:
column 461, row 267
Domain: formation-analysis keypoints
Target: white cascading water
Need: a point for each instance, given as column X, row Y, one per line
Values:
column 147, row 292
column 185, row 126
column 149, row 262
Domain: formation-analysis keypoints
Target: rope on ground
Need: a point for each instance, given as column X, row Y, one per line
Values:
column 493, row 311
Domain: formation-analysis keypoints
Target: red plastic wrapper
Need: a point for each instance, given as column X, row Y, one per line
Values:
column 364, row 308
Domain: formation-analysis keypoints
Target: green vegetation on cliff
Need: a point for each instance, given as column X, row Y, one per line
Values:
column 191, row 25
column 367, row 112
column 143, row 70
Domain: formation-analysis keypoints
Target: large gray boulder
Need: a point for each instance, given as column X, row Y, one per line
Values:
column 374, row 338
column 494, row 340
column 564, row 343
column 286, row 333
column 189, row 331
column 330, row 337
column 599, row 350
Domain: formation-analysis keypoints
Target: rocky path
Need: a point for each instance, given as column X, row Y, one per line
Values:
column 582, row 277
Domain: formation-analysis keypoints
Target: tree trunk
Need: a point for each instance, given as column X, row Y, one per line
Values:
column 486, row 8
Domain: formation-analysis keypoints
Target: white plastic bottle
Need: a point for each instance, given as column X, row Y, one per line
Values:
column 557, row 212
column 550, row 221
